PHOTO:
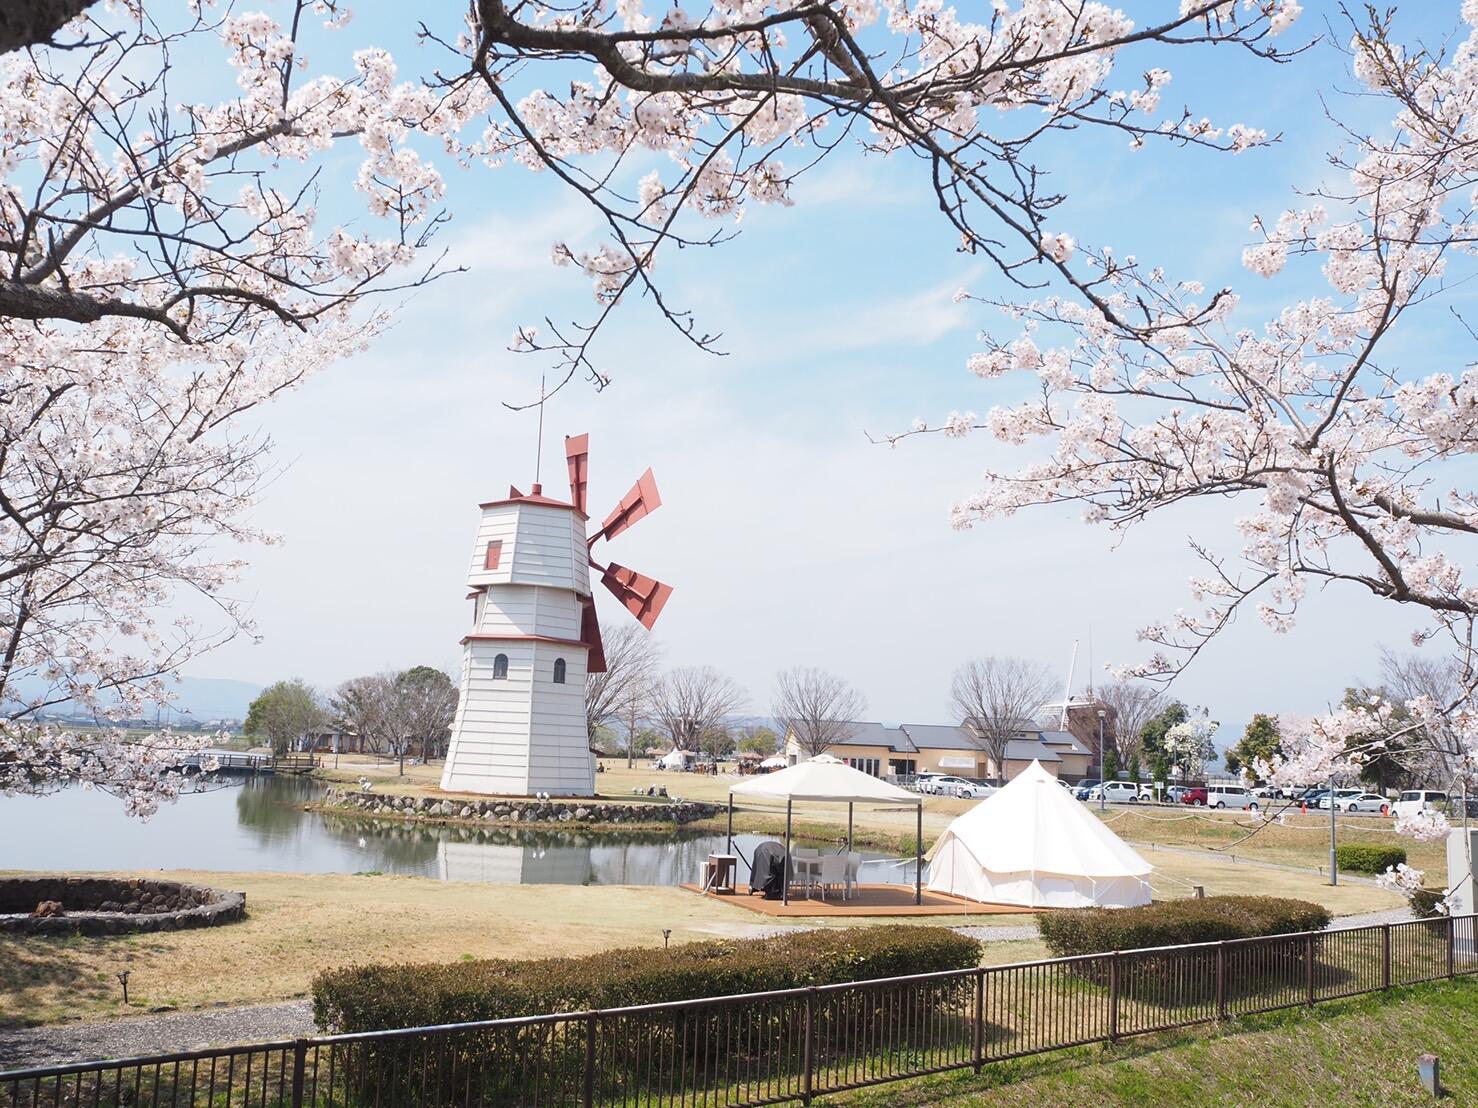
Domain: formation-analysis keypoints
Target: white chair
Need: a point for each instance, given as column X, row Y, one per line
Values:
column 805, row 870
column 854, row 871
column 832, row 872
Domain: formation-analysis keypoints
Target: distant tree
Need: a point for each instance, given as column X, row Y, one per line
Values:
column 622, row 691
column 424, row 703
column 817, row 708
column 995, row 698
column 758, row 739
column 1160, row 767
column 1390, row 762
column 690, row 700
column 358, row 706
column 717, row 741
column 1134, row 769
column 1152, row 734
column 284, row 714
column 1110, row 765
column 1189, row 747
column 1261, row 740
column 1131, row 705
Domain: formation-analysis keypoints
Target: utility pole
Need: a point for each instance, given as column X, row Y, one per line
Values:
column 1102, row 768
column 1333, row 860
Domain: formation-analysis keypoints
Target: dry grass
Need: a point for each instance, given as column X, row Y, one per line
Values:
column 300, row 924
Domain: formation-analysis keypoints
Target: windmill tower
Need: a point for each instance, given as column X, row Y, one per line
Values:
column 520, row 724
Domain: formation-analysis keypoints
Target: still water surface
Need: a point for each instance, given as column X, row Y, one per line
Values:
column 260, row 825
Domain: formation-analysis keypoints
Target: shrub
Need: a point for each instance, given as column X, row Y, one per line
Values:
column 1424, row 903
column 1369, row 857
column 1176, row 923
column 374, row 997
column 499, row 1063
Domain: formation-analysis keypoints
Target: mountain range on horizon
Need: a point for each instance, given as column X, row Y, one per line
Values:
column 195, row 699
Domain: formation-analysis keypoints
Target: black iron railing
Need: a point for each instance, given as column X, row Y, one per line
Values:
column 775, row 1047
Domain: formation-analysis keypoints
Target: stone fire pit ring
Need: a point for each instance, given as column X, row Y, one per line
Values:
column 111, row 905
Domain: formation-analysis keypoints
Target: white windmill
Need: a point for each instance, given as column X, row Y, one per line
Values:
column 520, row 724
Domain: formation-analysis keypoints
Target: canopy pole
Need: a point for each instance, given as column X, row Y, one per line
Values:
column 918, row 860
column 730, row 831
column 849, row 827
column 785, row 869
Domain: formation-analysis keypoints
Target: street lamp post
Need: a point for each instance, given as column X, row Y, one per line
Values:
column 1102, row 766
column 1333, row 853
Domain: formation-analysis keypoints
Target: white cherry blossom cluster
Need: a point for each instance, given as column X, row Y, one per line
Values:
column 1152, row 393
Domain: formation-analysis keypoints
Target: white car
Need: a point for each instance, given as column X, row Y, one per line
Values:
column 1413, row 801
column 1231, row 796
column 954, row 786
column 1341, row 798
column 1367, row 802
column 1117, row 792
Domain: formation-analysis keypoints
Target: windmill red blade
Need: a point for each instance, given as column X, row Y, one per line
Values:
column 641, row 501
column 590, row 636
column 642, row 596
column 577, row 456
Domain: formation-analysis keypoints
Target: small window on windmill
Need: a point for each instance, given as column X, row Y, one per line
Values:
column 494, row 553
column 559, row 671
column 500, row 668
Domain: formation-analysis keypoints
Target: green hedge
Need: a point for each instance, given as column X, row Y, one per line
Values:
column 645, row 1053
column 373, row 997
column 1369, row 857
column 1177, row 922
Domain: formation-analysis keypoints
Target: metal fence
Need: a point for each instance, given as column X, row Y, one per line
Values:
column 775, row 1047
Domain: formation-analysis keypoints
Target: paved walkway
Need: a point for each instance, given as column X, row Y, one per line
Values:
column 45, row 1046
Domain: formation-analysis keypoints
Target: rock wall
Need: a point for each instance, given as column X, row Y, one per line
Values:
column 112, row 905
column 506, row 810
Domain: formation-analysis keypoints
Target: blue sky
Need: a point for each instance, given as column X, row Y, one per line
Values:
column 789, row 538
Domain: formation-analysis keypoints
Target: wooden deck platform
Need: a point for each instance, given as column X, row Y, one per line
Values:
column 870, row 900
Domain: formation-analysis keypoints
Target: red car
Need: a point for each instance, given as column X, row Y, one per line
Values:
column 1194, row 796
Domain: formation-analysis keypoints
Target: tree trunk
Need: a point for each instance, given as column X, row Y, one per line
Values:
column 34, row 22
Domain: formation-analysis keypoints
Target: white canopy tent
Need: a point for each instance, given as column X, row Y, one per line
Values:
column 1033, row 844
column 828, row 780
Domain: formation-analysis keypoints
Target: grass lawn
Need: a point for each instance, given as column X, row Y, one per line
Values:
column 1361, row 1051
column 300, row 924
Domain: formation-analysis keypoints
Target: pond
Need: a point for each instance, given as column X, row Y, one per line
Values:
column 260, row 825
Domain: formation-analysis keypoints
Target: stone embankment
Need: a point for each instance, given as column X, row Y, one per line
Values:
column 111, row 905
column 505, row 810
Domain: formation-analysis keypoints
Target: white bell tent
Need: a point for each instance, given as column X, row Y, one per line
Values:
column 675, row 759
column 1032, row 844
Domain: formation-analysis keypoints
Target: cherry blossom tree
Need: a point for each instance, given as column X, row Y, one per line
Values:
column 1151, row 392
column 165, row 268
column 163, row 272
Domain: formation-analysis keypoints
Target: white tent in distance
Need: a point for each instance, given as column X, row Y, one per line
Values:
column 1033, row 844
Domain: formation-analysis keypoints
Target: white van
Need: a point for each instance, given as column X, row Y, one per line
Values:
column 1230, row 796
column 1413, row 801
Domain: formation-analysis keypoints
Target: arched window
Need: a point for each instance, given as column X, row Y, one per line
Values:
column 500, row 668
column 559, row 671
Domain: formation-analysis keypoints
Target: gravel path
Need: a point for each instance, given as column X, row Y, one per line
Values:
column 44, row 1046
column 1012, row 933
